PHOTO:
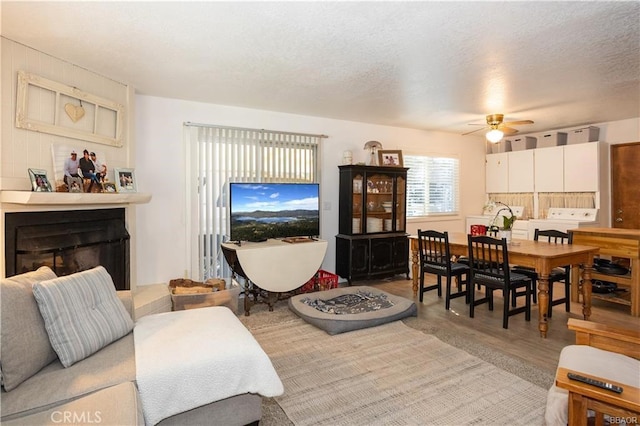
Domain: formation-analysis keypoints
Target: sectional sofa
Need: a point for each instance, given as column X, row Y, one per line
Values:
column 44, row 382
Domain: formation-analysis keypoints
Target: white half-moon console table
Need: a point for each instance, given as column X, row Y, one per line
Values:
column 274, row 265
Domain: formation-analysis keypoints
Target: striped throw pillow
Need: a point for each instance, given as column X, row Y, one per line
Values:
column 82, row 313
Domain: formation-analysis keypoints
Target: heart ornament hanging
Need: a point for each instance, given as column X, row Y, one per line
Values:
column 75, row 112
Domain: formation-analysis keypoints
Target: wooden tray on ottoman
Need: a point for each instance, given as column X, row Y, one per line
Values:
column 216, row 292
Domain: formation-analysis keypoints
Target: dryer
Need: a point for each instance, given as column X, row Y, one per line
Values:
column 564, row 219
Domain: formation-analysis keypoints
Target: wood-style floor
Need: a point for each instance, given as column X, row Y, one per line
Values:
column 522, row 339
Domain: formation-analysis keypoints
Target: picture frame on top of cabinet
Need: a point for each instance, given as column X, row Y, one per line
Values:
column 390, row 158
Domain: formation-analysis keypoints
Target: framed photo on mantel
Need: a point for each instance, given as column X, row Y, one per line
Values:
column 125, row 180
column 39, row 180
column 390, row 158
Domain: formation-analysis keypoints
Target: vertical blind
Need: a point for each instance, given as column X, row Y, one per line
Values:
column 219, row 155
column 432, row 185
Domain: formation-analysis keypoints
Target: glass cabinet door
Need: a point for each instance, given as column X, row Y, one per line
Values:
column 379, row 199
column 401, row 203
column 357, row 204
column 375, row 201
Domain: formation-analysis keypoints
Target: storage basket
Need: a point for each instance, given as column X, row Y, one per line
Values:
column 586, row 134
column 502, row 146
column 523, row 142
column 322, row 280
column 550, row 139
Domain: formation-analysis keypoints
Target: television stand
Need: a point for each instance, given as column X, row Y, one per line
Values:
column 276, row 266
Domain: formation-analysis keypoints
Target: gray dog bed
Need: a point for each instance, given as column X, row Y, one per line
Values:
column 384, row 308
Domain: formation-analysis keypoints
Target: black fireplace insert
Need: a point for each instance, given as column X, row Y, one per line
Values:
column 68, row 242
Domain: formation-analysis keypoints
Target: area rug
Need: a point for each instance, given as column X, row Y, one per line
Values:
column 391, row 374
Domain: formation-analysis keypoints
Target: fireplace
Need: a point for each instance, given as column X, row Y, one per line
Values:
column 68, row 242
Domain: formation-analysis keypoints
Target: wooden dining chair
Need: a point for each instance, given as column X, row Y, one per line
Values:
column 435, row 258
column 560, row 274
column 489, row 260
column 493, row 232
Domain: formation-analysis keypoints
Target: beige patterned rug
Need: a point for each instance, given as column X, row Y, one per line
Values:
column 390, row 374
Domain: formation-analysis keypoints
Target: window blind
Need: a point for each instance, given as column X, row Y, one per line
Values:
column 218, row 155
column 432, row 185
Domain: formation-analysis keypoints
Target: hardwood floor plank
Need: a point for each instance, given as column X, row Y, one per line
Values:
column 522, row 339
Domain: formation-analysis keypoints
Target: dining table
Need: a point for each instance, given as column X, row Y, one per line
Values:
column 540, row 255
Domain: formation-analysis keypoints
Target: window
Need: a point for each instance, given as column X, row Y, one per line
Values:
column 218, row 155
column 432, row 185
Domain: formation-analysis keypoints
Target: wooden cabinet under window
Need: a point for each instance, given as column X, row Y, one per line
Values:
column 372, row 240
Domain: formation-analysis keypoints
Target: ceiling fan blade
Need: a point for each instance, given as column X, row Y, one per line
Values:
column 508, row 130
column 517, row 123
column 473, row 131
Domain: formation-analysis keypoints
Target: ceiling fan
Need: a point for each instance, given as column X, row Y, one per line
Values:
column 498, row 128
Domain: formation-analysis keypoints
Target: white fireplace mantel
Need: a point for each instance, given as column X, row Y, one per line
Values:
column 72, row 198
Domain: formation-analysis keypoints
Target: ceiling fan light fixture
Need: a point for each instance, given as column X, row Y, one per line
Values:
column 494, row 135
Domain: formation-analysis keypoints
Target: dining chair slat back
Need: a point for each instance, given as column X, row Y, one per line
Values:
column 489, row 260
column 435, row 258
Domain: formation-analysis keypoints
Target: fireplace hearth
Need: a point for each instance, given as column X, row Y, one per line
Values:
column 68, row 242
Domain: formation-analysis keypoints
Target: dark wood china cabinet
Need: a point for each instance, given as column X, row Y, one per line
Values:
column 372, row 241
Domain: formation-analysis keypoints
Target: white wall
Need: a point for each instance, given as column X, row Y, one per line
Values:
column 160, row 169
column 623, row 131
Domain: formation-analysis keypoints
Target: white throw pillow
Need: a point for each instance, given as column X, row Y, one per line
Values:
column 82, row 313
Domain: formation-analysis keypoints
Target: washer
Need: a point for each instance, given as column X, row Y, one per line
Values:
column 563, row 219
column 520, row 229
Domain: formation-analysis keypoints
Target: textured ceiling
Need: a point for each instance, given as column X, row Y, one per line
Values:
column 425, row 65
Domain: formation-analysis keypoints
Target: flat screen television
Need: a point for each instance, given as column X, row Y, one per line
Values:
column 259, row 211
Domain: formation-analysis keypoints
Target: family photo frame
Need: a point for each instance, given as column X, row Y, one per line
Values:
column 39, row 180
column 390, row 158
column 109, row 187
column 75, row 184
column 125, row 180
column 73, row 162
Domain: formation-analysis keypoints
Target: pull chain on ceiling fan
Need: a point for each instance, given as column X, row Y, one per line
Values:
column 498, row 128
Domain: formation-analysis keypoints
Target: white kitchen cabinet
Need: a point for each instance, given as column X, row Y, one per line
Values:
column 582, row 167
column 566, row 168
column 497, row 173
column 549, row 169
column 521, row 173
